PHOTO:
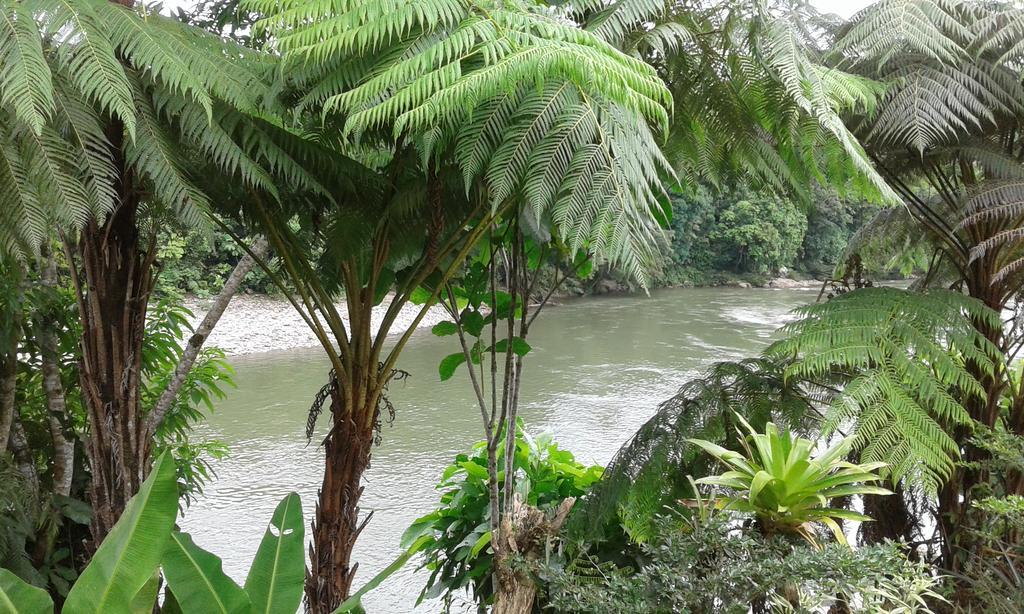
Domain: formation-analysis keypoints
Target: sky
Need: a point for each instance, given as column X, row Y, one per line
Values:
column 844, row 8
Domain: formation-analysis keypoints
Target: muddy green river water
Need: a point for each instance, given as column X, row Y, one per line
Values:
column 598, row 369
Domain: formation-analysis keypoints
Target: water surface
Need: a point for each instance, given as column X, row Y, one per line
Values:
column 598, row 369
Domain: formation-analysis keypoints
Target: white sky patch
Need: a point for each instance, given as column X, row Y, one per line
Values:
column 843, row 8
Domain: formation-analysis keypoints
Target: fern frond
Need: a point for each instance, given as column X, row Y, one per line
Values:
column 154, row 155
column 25, row 83
column 87, row 58
column 909, row 357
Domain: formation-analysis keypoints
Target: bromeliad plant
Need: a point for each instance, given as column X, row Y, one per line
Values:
column 785, row 486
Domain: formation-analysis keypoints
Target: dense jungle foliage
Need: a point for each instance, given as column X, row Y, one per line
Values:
column 714, row 237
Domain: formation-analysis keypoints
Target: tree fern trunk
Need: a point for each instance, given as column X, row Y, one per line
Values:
column 957, row 494
column 523, row 535
column 892, row 519
column 113, row 295
column 337, row 525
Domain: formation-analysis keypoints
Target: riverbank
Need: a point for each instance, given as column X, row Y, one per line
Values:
column 256, row 323
column 253, row 324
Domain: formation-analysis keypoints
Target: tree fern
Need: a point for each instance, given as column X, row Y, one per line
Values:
column 775, row 114
column 25, row 83
column 178, row 95
column 507, row 90
column 908, row 357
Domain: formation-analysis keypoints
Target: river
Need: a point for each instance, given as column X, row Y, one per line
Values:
column 598, row 369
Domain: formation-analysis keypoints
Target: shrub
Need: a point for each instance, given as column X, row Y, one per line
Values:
column 457, row 550
column 713, row 566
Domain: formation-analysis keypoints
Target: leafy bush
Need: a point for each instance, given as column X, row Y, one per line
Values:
column 457, row 546
column 167, row 327
column 736, row 231
column 712, row 566
column 199, row 262
column 831, row 221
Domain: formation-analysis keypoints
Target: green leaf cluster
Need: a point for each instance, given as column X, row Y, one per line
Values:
column 457, row 547
column 100, row 102
column 504, row 91
column 480, row 308
column 711, row 567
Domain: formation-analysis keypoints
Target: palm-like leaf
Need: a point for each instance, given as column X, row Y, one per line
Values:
column 505, row 89
column 907, row 357
column 84, row 78
column 947, row 127
column 752, row 97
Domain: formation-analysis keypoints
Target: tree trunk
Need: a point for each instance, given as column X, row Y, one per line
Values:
column 336, row 525
column 63, row 449
column 8, row 387
column 9, row 341
column 258, row 249
column 113, row 296
column 56, row 404
column 957, row 494
column 23, row 456
column 892, row 519
column 524, row 534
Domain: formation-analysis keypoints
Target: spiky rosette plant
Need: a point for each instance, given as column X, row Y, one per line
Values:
column 780, row 480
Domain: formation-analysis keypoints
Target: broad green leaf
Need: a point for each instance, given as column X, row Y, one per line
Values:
column 761, row 479
column 198, row 579
column 170, row 604
column 424, row 525
column 519, row 346
column 144, row 600
column 472, row 322
column 130, row 554
column 480, row 544
column 73, row 509
column 444, row 328
column 20, row 597
column 420, row 296
column 836, row 530
column 355, row 602
column 385, row 282
column 475, row 470
column 449, row 364
column 275, row 579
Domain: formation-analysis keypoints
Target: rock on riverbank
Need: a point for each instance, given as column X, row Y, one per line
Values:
column 254, row 324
